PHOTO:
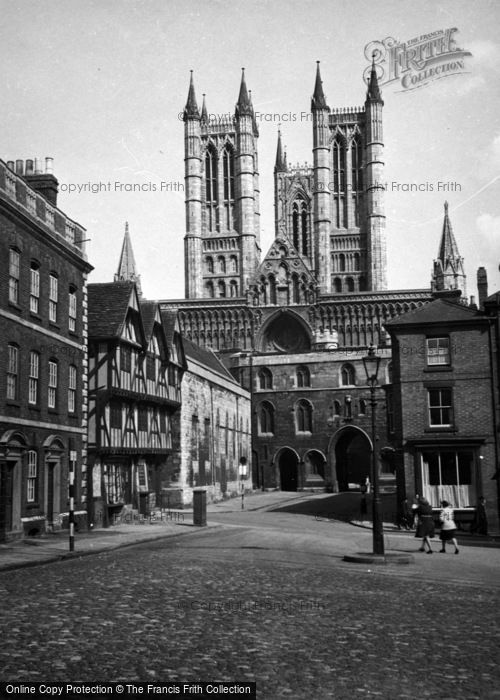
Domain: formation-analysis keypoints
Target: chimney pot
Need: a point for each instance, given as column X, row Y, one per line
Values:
column 38, row 167
column 49, row 166
column 29, row 167
column 10, row 164
column 19, row 167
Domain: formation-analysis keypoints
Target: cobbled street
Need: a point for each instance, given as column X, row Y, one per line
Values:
column 265, row 598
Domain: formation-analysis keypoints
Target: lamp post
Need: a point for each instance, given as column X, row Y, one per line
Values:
column 243, row 476
column 371, row 363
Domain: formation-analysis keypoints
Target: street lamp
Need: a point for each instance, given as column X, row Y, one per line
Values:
column 371, row 363
column 243, row 475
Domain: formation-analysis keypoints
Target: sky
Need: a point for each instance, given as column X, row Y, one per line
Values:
column 99, row 85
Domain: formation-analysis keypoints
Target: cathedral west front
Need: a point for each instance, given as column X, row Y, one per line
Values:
column 293, row 324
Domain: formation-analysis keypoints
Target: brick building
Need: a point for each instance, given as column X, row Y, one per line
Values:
column 43, row 381
column 134, row 391
column 445, row 397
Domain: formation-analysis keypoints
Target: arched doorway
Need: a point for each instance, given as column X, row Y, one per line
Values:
column 288, row 469
column 352, row 458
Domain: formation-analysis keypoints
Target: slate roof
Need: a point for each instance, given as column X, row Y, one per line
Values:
column 207, row 358
column 437, row 311
column 108, row 303
column 148, row 313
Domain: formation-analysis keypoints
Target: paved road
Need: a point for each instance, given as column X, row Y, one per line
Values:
column 265, row 598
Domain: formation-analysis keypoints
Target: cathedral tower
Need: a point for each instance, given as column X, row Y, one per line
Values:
column 341, row 197
column 222, row 243
column 448, row 272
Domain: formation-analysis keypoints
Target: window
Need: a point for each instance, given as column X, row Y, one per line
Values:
column 34, row 287
column 142, row 420
column 126, row 359
column 438, row 351
column 440, row 407
column 448, row 475
column 266, row 418
column 337, row 408
column 209, row 264
column 211, row 188
column 303, row 416
column 32, row 476
column 303, row 377
column 72, row 389
column 33, row 377
column 53, row 296
column 348, row 375
column 362, row 407
column 265, row 378
column 151, row 368
column 12, row 371
column 115, row 415
column 52, row 395
column 14, row 268
column 72, row 308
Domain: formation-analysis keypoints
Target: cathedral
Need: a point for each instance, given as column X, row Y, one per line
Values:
column 293, row 326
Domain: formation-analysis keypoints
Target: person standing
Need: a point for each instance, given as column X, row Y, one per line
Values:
column 425, row 526
column 480, row 524
column 448, row 527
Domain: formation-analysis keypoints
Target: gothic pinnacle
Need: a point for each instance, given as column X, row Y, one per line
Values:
column 191, row 109
column 244, row 105
column 318, row 99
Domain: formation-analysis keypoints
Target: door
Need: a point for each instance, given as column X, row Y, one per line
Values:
column 6, row 496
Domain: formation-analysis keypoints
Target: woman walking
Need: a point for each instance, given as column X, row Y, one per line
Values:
column 425, row 526
column 448, row 527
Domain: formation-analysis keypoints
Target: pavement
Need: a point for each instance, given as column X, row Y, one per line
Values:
column 55, row 547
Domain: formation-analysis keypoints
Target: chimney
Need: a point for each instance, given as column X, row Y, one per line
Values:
column 482, row 287
column 43, row 182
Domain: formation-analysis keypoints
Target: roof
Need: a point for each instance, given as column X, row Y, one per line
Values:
column 207, row 358
column 148, row 313
column 438, row 311
column 169, row 320
column 108, row 303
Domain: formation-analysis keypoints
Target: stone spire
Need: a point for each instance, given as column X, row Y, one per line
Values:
column 448, row 270
column 280, row 165
column 318, row 99
column 373, row 93
column 191, row 108
column 244, row 104
column 204, row 113
column 127, row 271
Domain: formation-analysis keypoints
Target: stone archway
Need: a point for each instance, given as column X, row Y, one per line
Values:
column 351, row 449
column 288, row 467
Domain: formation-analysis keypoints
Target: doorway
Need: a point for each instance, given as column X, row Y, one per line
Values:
column 288, row 469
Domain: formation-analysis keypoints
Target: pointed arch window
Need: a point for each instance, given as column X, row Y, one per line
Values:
column 303, row 416
column 233, row 288
column 209, row 264
column 337, row 285
column 300, row 226
column 233, row 264
column 356, row 165
column 341, row 262
column 210, row 290
column 303, row 376
column 338, row 167
column 221, row 286
column 221, row 264
column 265, row 378
column 266, row 418
column 348, row 375
column 337, row 408
column 211, row 187
column 228, row 174
column 350, row 284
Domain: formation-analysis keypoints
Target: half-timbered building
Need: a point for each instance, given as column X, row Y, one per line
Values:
column 134, row 390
